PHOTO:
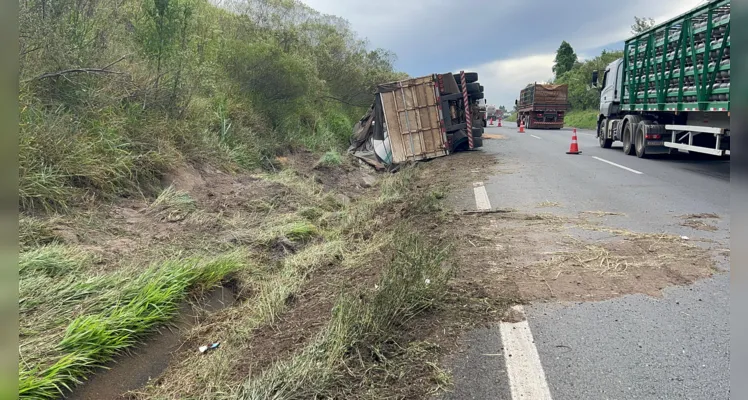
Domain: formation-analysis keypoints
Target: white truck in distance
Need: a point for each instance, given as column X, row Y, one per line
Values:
column 671, row 91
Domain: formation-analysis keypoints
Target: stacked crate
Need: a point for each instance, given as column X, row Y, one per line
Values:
column 660, row 64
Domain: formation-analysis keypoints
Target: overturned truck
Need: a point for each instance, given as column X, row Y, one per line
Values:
column 421, row 118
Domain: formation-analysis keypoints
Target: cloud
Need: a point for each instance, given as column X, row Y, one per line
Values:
column 441, row 35
column 508, row 42
column 503, row 79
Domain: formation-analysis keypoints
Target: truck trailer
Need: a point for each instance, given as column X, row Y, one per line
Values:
column 671, row 90
column 421, row 118
column 542, row 106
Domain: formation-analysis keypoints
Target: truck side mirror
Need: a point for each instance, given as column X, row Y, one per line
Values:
column 515, row 102
column 594, row 78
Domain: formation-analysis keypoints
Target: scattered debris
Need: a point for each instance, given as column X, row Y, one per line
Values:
column 701, row 216
column 698, row 225
column 204, row 349
column 603, row 213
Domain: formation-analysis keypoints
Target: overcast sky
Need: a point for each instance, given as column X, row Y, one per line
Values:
column 510, row 43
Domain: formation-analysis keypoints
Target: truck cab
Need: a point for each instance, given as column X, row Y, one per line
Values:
column 610, row 98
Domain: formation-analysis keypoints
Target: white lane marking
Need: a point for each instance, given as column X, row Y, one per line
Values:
column 536, row 137
column 618, row 165
column 481, row 196
column 526, row 376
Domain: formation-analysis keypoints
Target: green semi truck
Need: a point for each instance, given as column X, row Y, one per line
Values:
column 671, row 90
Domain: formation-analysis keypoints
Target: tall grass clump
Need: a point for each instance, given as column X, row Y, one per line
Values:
column 410, row 284
column 115, row 319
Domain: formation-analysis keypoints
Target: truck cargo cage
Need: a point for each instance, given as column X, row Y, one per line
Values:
column 682, row 65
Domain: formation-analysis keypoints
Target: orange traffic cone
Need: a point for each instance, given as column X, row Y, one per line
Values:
column 521, row 126
column 490, row 121
column 574, row 148
column 499, row 123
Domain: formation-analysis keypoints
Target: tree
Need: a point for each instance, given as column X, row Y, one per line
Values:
column 641, row 24
column 565, row 59
column 581, row 95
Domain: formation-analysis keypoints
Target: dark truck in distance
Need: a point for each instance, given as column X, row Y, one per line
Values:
column 542, row 106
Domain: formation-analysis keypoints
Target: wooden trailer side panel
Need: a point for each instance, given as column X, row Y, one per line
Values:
column 412, row 118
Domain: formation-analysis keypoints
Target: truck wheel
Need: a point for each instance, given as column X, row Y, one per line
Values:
column 473, row 87
column 470, row 77
column 477, row 142
column 604, row 143
column 640, row 141
column 627, row 135
column 477, row 132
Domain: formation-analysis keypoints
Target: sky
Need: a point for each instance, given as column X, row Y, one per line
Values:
column 510, row 43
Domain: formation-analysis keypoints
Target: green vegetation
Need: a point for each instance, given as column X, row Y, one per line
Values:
column 583, row 97
column 331, row 159
column 565, row 59
column 582, row 119
column 641, row 24
column 73, row 320
column 410, row 284
column 114, row 94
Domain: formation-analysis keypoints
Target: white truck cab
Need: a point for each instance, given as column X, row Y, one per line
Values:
column 610, row 98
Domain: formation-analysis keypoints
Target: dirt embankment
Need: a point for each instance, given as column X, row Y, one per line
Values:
column 315, row 233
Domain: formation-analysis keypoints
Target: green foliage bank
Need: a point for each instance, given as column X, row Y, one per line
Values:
column 116, row 92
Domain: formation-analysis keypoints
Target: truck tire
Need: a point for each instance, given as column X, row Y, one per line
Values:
column 470, row 77
column 473, row 87
column 640, row 141
column 604, row 143
column 477, row 142
column 477, row 96
column 477, row 132
column 628, row 133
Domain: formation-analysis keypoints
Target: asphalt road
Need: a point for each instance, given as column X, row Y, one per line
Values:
column 631, row 347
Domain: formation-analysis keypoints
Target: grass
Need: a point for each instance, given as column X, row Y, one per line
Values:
column 331, row 158
column 89, row 320
column 34, row 232
column 581, row 119
column 53, row 260
column 172, row 205
column 410, row 284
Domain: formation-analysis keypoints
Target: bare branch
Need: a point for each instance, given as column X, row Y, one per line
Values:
column 103, row 70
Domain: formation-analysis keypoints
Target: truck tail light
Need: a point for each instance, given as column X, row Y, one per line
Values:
column 655, row 137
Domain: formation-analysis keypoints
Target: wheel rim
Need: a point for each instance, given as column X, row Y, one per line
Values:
column 627, row 140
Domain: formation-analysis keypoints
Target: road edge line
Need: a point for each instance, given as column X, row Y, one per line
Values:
column 523, row 367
